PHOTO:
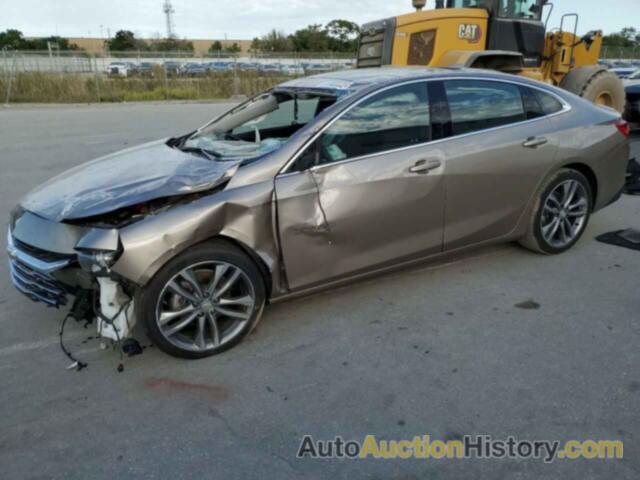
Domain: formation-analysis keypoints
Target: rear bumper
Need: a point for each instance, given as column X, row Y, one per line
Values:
column 615, row 198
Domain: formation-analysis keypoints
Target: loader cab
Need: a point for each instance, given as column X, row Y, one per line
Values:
column 514, row 26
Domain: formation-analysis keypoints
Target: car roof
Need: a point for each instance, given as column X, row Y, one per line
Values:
column 349, row 81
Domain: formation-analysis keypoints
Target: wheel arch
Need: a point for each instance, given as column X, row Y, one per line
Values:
column 574, row 164
column 589, row 174
column 264, row 270
column 256, row 258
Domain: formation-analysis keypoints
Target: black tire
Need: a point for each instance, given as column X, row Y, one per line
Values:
column 214, row 251
column 592, row 82
column 534, row 239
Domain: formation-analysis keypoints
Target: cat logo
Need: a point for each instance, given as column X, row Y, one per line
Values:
column 470, row 32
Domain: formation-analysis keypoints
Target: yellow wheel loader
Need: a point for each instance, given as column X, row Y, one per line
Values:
column 505, row 35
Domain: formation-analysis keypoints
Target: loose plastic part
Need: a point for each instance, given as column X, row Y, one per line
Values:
column 117, row 310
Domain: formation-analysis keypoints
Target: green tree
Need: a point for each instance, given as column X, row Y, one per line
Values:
column 12, row 40
column 627, row 37
column 275, row 41
column 313, row 38
column 216, row 47
column 343, row 35
column 125, row 40
column 234, row 48
column 173, row 45
column 43, row 43
column 256, row 45
column 629, row 33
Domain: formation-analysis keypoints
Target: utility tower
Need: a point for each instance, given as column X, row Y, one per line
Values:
column 168, row 10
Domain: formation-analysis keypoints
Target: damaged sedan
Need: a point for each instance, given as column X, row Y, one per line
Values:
column 317, row 182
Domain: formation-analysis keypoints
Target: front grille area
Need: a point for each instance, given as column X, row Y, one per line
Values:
column 39, row 253
column 37, row 286
column 32, row 275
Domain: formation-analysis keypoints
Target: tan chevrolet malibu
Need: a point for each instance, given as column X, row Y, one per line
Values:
column 317, row 182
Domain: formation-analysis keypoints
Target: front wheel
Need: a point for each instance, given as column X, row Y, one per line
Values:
column 561, row 213
column 203, row 302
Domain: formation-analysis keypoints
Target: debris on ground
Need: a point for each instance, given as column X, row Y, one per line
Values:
column 629, row 238
column 131, row 347
column 528, row 305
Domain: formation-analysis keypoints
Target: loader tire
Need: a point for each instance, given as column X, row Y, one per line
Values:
column 597, row 85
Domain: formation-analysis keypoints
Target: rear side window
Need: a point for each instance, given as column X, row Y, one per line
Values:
column 479, row 104
column 531, row 103
column 395, row 118
column 548, row 102
column 539, row 104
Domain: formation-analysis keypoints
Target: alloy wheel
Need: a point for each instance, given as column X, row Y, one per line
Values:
column 205, row 306
column 564, row 213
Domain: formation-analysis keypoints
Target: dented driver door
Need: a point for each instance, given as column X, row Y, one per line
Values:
column 368, row 193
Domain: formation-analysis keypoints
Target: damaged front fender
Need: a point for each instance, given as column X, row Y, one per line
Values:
column 243, row 214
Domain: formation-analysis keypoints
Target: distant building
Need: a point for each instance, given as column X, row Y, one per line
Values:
column 201, row 46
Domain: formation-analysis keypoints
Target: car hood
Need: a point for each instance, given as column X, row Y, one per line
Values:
column 126, row 178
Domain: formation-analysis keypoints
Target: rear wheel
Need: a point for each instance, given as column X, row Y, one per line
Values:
column 561, row 213
column 203, row 302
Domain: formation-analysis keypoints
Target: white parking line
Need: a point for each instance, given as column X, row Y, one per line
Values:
column 27, row 346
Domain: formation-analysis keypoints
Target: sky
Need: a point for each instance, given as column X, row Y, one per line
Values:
column 246, row 19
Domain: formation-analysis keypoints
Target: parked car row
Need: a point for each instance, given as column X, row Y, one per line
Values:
column 632, row 89
column 625, row 73
column 621, row 63
column 195, row 69
column 297, row 69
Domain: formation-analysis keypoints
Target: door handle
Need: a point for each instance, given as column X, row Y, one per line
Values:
column 425, row 166
column 535, row 142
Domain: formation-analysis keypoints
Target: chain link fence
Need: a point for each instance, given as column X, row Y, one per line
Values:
column 79, row 77
column 621, row 53
column 71, row 76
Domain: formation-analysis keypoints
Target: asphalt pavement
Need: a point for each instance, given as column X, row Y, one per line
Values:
column 499, row 342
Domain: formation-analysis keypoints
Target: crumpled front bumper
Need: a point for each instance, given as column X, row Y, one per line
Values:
column 33, row 276
column 35, row 273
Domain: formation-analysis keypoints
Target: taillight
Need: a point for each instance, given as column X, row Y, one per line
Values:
column 623, row 127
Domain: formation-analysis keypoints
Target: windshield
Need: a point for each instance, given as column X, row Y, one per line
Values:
column 527, row 9
column 259, row 126
column 467, row 4
column 524, row 9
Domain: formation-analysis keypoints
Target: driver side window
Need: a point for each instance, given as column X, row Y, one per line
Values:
column 392, row 119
